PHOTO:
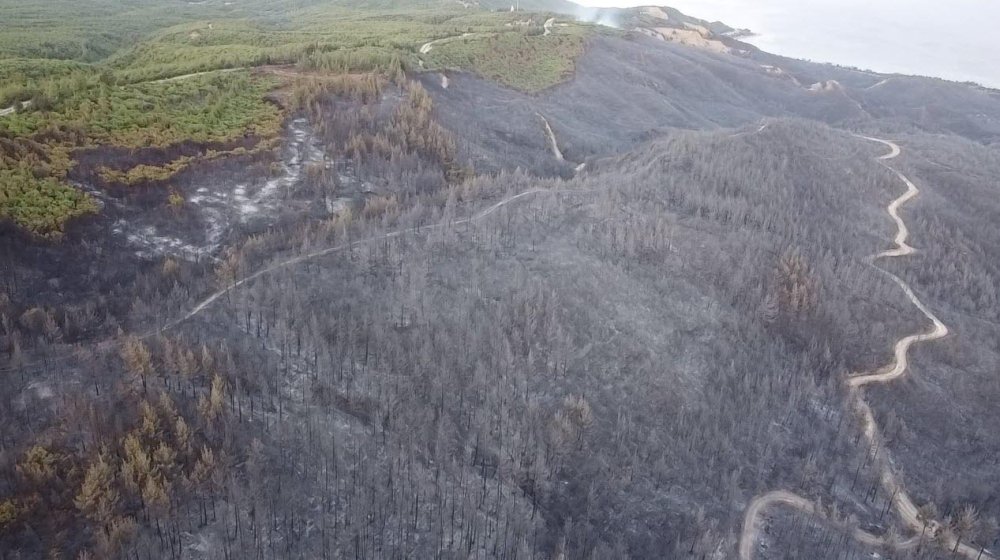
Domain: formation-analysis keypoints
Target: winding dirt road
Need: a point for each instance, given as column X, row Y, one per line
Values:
column 903, row 504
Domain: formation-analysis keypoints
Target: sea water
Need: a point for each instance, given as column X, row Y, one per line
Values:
column 956, row 40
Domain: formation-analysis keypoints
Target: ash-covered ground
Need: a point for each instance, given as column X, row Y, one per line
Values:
column 606, row 361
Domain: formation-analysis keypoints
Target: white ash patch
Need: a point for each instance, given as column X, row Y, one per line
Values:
column 221, row 206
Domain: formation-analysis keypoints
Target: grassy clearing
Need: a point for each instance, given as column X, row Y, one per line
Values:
column 523, row 59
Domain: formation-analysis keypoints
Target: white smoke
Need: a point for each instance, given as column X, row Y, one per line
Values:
column 609, row 17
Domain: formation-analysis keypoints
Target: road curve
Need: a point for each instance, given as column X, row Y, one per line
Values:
column 426, row 47
column 903, row 504
column 783, row 498
column 900, row 361
column 754, row 511
column 901, row 350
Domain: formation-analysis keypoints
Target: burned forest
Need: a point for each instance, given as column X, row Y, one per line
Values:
column 336, row 279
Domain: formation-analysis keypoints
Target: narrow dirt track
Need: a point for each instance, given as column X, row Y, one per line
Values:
column 10, row 110
column 208, row 301
column 428, row 46
column 214, row 297
column 553, row 143
column 195, row 75
column 756, row 131
column 903, row 504
column 554, row 146
column 780, row 497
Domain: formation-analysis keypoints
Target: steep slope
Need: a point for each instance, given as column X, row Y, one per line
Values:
column 626, row 90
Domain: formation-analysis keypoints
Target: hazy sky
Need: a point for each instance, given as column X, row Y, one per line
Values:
column 957, row 39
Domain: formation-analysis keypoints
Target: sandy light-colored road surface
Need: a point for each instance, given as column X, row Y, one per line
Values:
column 780, row 497
column 553, row 143
column 10, row 110
column 428, row 46
column 903, row 504
column 879, row 84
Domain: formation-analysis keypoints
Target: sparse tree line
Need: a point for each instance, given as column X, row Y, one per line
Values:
column 144, row 444
column 379, row 124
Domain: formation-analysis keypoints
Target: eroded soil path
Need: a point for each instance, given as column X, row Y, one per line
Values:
column 553, row 143
column 908, row 511
column 554, row 146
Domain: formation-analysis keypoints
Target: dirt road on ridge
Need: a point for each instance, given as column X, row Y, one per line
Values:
column 902, row 503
